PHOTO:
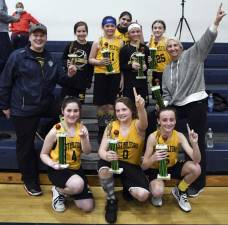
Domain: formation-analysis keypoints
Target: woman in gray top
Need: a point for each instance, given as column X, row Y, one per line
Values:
column 183, row 87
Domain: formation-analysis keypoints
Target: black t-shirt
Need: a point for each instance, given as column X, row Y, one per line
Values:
column 127, row 56
column 83, row 77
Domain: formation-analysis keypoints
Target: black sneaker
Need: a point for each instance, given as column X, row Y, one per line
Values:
column 111, row 210
column 33, row 189
column 194, row 192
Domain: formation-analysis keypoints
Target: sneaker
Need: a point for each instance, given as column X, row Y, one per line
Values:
column 194, row 192
column 182, row 199
column 33, row 189
column 58, row 200
column 39, row 136
column 156, row 201
column 111, row 210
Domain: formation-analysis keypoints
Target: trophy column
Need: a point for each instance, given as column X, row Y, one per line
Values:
column 114, row 163
column 163, row 173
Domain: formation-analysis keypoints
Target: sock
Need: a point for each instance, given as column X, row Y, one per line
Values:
column 183, row 186
column 108, row 186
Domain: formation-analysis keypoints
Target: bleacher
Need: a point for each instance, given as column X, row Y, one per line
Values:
column 216, row 77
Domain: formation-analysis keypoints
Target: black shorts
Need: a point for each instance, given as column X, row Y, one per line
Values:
column 106, row 88
column 132, row 175
column 174, row 171
column 60, row 177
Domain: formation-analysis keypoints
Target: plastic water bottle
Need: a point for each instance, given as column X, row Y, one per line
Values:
column 210, row 103
column 209, row 138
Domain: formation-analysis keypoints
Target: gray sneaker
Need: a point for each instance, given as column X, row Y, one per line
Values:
column 193, row 192
column 182, row 199
column 58, row 200
column 156, row 201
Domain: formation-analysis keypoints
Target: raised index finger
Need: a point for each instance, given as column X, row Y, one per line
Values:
column 188, row 129
column 135, row 92
column 220, row 7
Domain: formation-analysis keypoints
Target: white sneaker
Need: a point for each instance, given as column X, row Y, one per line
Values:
column 58, row 200
column 156, row 201
column 182, row 199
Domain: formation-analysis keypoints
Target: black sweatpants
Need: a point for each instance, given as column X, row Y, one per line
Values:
column 196, row 115
column 26, row 128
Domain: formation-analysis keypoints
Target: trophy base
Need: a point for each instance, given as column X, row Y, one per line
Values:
column 107, row 73
column 63, row 166
column 119, row 171
column 164, row 177
column 140, row 77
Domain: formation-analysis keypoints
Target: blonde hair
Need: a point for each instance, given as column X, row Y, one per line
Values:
column 174, row 39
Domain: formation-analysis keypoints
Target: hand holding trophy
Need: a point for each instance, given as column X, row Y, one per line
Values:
column 163, row 173
column 113, row 147
column 61, row 140
column 106, row 54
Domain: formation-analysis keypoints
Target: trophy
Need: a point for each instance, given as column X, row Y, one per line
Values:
column 73, row 58
column 113, row 147
column 163, row 174
column 140, row 59
column 61, row 139
column 106, row 54
column 153, row 63
column 157, row 95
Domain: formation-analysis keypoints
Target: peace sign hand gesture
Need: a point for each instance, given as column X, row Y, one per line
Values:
column 139, row 101
column 193, row 137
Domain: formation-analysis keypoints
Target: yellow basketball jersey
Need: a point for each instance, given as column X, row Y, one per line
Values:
column 129, row 148
column 162, row 56
column 73, row 149
column 173, row 148
column 123, row 36
column 113, row 46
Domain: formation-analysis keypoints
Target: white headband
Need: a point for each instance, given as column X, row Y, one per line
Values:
column 133, row 25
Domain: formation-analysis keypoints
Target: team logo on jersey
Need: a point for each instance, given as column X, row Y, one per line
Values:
column 50, row 63
column 80, row 58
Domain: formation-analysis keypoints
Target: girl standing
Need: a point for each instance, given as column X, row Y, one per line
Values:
column 106, row 82
column 77, row 53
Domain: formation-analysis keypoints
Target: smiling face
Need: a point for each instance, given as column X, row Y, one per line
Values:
column 134, row 34
column 71, row 113
column 174, row 49
column 38, row 40
column 109, row 29
column 167, row 121
column 123, row 113
column 81, row 33
column 158, row 30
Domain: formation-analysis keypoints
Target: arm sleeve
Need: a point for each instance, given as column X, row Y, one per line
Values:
column 32, row 19
column 124, row 59
column 166, row 95
column 6, row 82
column 202, row 47
column 4, row 17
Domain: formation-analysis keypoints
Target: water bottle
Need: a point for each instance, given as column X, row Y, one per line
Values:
column 209, row 138
column 210, row 103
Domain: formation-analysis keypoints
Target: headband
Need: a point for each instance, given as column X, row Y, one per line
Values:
column 133, row 25
column 109, row 20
